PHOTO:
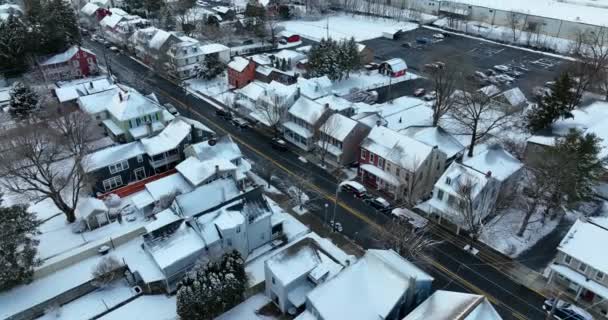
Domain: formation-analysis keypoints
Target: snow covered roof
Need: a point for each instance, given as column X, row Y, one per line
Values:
column 513, row 96
column 590, row 119
column 89, row 9
column 436, row 136
column 307, row 110
column 224, row 148
column 449, row 305
column 72, row 92
column 459, row 174
column 290, row 55
column 197, row 171
column 65, row 56
column 338, row 126
column 119, row 11
column 196, row 124
column 159, row 38
column 396, row 64
column 368, row 289
column 542, row 140
column 166, row 185
column 398, row 148
column 213, row 48
column 490, row 90
column 494, row 160
column 582, row 241
column 132, row 104
column 229, row 219
column 238, row 64
column 403, row 113
column 163, row 218
column 337, row 103
column 207, row 196
column 111, row 21
column 5, row 95
column 168, row 139
column 221, row 9
column 181, row 244
column 315, row 88
column 90, row 205
column 112, row 155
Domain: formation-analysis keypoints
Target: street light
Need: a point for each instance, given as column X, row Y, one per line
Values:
column 333, row 226
column 325, row 216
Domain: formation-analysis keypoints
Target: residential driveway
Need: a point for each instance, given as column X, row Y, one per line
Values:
column 473, row 54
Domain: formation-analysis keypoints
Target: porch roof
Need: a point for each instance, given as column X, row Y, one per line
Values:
column 580, row 279
column 387, row 177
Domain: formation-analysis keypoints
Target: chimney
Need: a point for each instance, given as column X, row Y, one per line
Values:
column 149, row 126
column 91, row 84
column 120, row 96
column 327, row 106
column 217, row 168
column 378, row 122
column 400, row 120
column 489, row 174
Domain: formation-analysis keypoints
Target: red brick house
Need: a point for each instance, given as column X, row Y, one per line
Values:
column 76, row 62
column 241, row 72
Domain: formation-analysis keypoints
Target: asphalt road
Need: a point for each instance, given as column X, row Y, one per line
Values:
column 452, row 267
column 479, row 55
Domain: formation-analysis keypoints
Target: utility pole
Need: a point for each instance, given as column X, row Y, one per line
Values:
column 327, row 28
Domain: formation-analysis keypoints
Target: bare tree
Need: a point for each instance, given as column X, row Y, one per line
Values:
column 47, row 160
column 478, row 116
column 271, row 109
column 445, row 81
column 299, row 190
column 105, row 271
column 470, row 218
column 591, row 50
column 325, row 136
column 516, row 23
column 532, row 197
column 407, row 241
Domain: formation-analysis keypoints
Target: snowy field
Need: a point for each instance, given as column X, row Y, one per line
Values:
column 346, row 26
column 367, row 80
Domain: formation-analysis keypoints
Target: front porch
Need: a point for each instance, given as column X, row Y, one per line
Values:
column 379, row 180
column 584, row 291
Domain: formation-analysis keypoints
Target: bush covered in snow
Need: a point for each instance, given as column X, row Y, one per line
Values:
column 212, row 288
column 105, row 271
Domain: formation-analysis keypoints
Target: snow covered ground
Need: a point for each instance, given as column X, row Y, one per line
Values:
column 345, row 26
column 501, row 233
column 211, row 87
column 247, row 309
column 367, row 80
column 157, row 307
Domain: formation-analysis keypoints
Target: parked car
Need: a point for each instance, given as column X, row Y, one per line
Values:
column 279, row 144
column 372, row 66
column 419, row 92
column 240, row 123
column 223, row 113
column 491, row 72
column 423, row 40
column 247, row 42
column 565, row 310
column 502, row 68
column 480, row 75
column 283, row 41
column 406, row 44
column 514, row 73
column 504, row 78
column 114, row 49
column 172, row 109
column 357, row 189
column 438, row 36
column 379, row 204
column 430, row 96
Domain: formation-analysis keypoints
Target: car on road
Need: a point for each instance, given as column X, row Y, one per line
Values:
column 172, row 109
column 419, row 92
column 379, row 204
column 279, row 144
column 240, row 123
column 439, row 36
column 514, row 73
column 336, row 225
column 565, row 310
column 114, row 49
column 430, row 96
column 502, row 68
column 223, row 113
column 423, row 40
column 354, row 187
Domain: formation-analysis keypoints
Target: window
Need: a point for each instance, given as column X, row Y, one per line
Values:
column 380, row 162
column 599, row 276
column 397, row 171
column 448, row 181
column 440, row 194
column 363, row 154
column 229, row 242
column 76, row 63
column 238, row 229
column 112, row 183
column 388, row 166
column 90, row 60
column 567, row 259
column 371, row 157
column 273, row 282
column 140, row 158
column 118, row 167
column 582, row 267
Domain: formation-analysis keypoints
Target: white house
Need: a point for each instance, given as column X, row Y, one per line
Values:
column 449, row 305
column 315, row 88
column 380, row 285
column 303, row 120
column 399, row 166
column 580, row 268
column 266, row 103
column 487, row 173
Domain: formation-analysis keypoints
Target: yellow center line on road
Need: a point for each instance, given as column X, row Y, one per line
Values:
column 354, row 212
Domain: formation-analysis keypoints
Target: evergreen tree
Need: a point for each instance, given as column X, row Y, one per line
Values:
column 212, row 288
column 284, row 12
column 23, row 101
column 324, row 60
column 167, row 18
column 18, row 246
column 352, row 56
column 210, row 67
column 55, row 29
column 13, row 45
column 554, row 105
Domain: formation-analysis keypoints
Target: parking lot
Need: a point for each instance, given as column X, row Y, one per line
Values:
column 476, row 55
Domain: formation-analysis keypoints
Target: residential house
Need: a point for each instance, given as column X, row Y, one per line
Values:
column 268, row 74
column 339, row 139
column 88, row 15
column 294, row 272
column 176, row 242
column 221, row 51
column 302, row 122
column 226, row 13
column 315, row 88
column 139, row 44
column 290, row 57
column 241, row 72
column 266, row 103
column 341, row 105
column 579, row 269
column 399, row 166
column 70, row 91
column 449, row 305
column 395, row 67
column 96, row 104
column 183, row 57
column 119, row 26
column 437, row 136
column 75, row 62
column 5, row 96
column 380, row 285
column 486, row 175
column 132, row 116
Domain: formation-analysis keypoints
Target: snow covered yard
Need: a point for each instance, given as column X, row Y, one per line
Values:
column 345, row 26
column 248, row 309
column 211, row 87
column 368, row 80
column 156, row 307
column 501, row 233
